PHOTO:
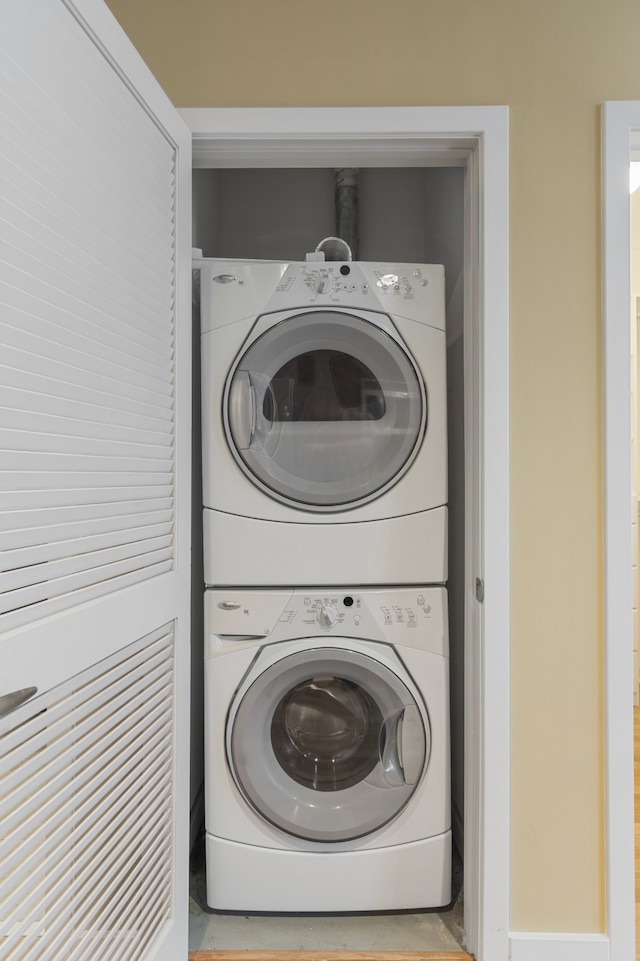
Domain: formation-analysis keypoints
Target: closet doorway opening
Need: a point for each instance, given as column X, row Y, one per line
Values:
column 455, row 160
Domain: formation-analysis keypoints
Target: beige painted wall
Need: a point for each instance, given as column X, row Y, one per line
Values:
column 553, row 62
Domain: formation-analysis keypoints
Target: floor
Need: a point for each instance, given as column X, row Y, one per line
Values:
column 404, row 931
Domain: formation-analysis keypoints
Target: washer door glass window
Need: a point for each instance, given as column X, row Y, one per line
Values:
column 327, row 745
column 325, row 410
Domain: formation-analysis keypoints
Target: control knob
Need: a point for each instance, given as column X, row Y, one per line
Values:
column 327, row 615
column 322, row 283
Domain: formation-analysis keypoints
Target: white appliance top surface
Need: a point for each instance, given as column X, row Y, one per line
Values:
column 407, row 616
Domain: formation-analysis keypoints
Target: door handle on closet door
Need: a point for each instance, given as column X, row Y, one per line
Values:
column 9, row 702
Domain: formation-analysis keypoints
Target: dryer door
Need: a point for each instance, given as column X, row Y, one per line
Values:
column 325, row 410
column 327, row 744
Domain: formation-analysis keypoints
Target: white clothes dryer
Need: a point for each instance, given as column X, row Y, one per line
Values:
column 327, row 772
column 324, row 423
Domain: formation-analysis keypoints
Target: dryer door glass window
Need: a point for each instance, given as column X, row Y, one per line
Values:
column 327, row 744
column 325, row 410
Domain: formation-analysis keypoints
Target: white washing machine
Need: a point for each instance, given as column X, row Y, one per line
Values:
column 324, row 423
column 327, row 771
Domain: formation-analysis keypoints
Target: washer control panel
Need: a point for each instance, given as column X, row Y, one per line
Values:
column 414, row 617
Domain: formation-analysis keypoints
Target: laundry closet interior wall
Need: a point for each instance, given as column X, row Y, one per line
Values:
column 406, row 215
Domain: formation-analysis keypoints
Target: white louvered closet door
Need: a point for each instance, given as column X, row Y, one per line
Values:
column 94, row 494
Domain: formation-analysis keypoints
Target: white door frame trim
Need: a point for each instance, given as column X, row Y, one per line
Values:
column 621, row 123
column 478, row 138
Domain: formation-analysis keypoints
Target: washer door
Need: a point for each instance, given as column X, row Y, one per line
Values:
column 327, row 744
column 325, row 410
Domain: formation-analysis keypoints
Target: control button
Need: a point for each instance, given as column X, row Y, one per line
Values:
column 229, row 606
column 356, row 620
column 327, row 615
column 348, row 601
column 420, row 600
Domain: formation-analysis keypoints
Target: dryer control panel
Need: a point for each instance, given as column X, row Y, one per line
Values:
column 415, row 291
column 232, row 291
column 407, row 616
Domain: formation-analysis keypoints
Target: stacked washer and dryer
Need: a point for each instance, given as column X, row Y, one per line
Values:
column 327, row 768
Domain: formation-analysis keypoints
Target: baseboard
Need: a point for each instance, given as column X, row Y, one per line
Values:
column 527, row 946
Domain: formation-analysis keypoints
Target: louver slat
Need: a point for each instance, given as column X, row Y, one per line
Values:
column 44, row 385
column 24, row 577
column 91, row 433
column 38, row 500
column 25, row 519
column 22, row 246
column 43, row 405
column 72, row 694
column 95, row 536
column 60, row 460
column 97, row 577
column 21, row 329
column 87, row 339
column 57, row 303
column 37, row 188
column 86, row 787
column 22, row 797
column 86, row 371
column 61, row 480
column 59, row 842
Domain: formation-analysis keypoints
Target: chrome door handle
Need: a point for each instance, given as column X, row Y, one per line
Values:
column 242, row 409
column 389, row 751
column 9, row 702
column 402, row 753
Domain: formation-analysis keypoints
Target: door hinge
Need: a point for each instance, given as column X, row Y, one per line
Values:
column 479, row 590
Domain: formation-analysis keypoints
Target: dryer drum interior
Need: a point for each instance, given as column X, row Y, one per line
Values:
column 327, row 744
column 325, row 410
